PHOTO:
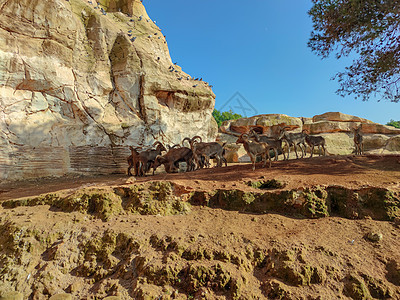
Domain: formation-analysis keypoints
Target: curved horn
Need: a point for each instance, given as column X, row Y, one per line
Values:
column 174, row 146
column 157, row 143
column 194, row 141
column 186, row 139
column 197, row 137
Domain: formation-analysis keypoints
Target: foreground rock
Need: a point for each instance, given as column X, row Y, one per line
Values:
column 335, row 127
column 77, row 86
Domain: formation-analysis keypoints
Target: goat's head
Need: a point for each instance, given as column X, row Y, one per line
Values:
column 254, row 134
column 160, row 146
column 134, row 150
column 159, row 161
column 243, row 138
column 358, row 129
column 173, row 147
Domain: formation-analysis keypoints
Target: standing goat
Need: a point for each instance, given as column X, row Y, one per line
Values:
column 205, row 151
column 143, row 161
column 173, row 157
column 295, row 139
column 313, row 141
column 134, row 162
column 358, row 141
column 275, row 143
column 254, row 149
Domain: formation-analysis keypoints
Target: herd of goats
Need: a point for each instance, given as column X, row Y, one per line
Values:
column 199, row 153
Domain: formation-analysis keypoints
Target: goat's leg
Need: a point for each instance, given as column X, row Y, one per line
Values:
column 276, row 153
column 269, row 158
column 225, row 161
column 312, row 151
column 219, row 163
column 253, row 161
column 303, row 149
column 288, row 150
column 283, row 152
column 295, row 150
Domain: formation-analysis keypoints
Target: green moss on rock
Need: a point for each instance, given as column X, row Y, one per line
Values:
column 356, row 289
column 266, row 184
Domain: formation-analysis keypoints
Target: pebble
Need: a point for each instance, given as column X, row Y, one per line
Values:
column 375, row 236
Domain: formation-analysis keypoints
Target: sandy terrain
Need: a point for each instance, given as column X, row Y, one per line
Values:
column 205, row 252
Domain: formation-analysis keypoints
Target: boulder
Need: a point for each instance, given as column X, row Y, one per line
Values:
column 379, row 128
column 266, row 124
column 393, row 145
column 62, row 296
column 338, row 117
column 12, row 296
column 329, row 127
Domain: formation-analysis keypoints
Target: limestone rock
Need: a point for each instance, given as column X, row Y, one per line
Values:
column 266, row 124
column 374, row 236
column 12, row 296
column 338, row 117
column 79, row 85
column 330, row 127
column 62, row 296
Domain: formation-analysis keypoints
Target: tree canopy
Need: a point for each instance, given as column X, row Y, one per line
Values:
column 394, row 123
column 370, row 29
column 224, row 116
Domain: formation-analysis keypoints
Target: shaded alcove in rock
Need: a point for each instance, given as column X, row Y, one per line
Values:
column 126, row 76
column 96, row 37
column 124, row 6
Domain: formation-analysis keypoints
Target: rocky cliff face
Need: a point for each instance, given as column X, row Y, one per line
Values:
column 80, row 81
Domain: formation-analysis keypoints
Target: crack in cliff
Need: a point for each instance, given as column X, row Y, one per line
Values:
column 4, row 4
column 142, row 106
column 111, row 136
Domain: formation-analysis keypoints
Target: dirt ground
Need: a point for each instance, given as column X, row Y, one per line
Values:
column 347, row 171
column 215, row 253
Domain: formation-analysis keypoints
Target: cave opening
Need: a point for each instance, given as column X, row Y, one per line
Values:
column 124, row 6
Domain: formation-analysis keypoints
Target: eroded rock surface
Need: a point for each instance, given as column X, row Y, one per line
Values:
column 162, row 239
column 80, row 81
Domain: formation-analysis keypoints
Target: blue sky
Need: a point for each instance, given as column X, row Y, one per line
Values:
column 258, row 49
